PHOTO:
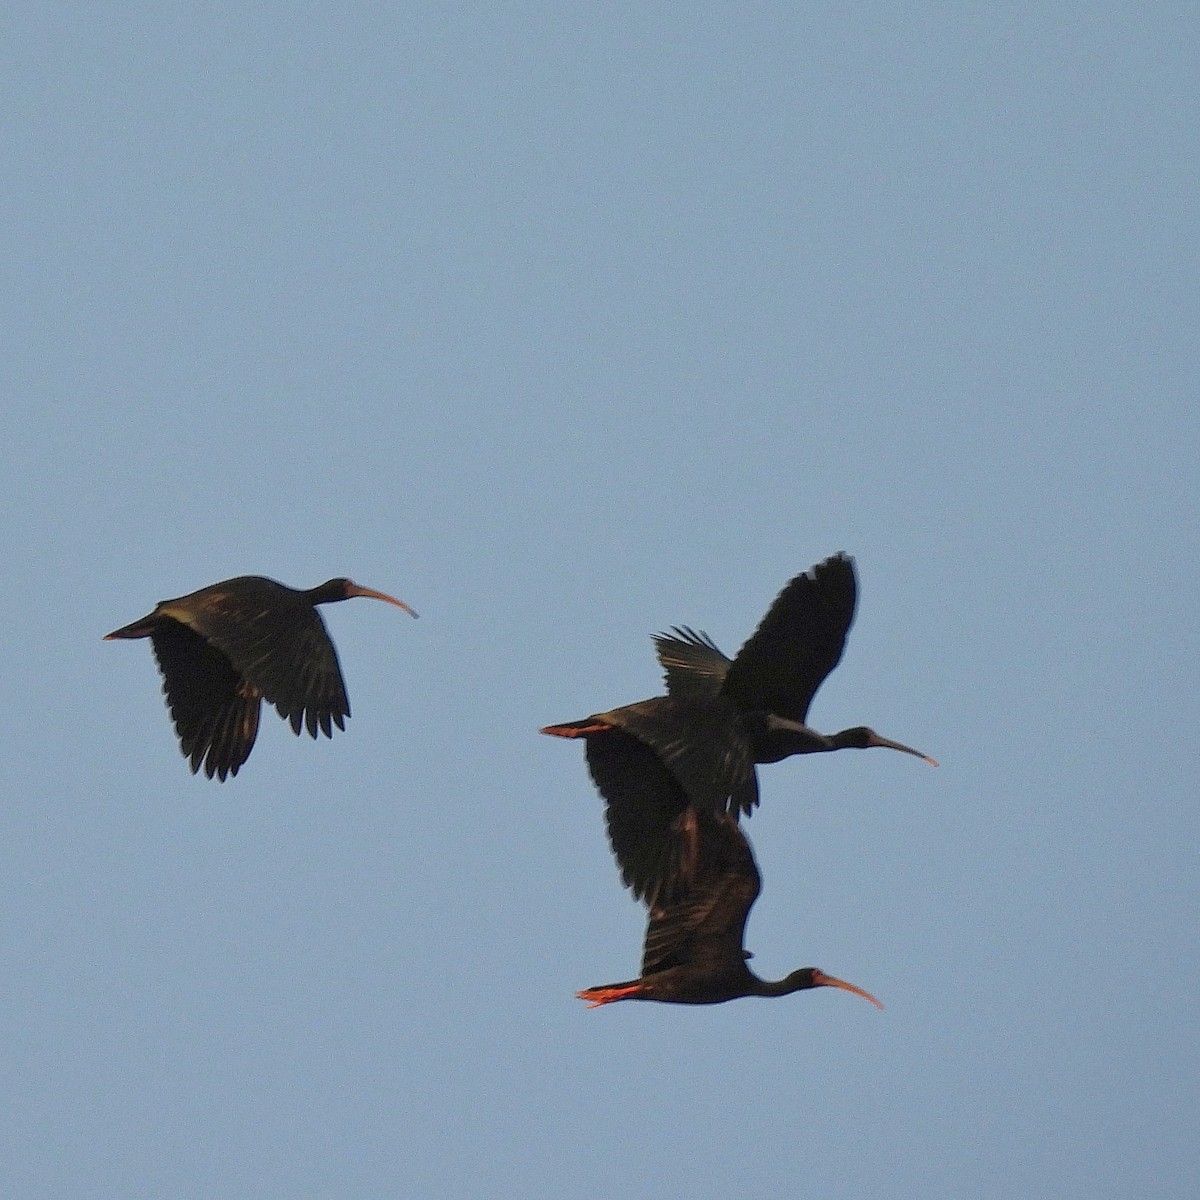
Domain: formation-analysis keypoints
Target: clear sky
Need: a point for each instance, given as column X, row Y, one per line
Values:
column 567, row 324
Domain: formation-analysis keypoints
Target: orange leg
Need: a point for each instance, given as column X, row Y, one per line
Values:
column 606, row 995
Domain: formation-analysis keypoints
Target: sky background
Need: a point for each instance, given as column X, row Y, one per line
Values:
column 566, row 324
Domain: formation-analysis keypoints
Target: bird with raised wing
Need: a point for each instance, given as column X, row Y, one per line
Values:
column 720, row 716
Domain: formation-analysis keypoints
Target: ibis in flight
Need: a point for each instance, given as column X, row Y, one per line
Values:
column 224, row 649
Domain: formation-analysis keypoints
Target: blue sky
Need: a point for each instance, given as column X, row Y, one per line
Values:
column 568, row 326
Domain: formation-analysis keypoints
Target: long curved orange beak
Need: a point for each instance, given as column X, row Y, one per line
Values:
column 888, row 744
column 353, row 589
column 820, row 979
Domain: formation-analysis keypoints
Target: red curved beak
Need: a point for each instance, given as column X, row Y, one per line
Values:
column 353, row 589
column 820, row 979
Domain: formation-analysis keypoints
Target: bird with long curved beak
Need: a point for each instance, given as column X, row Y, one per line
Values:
column 224, row 649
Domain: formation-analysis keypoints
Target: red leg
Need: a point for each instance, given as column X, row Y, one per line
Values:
column 606, row 995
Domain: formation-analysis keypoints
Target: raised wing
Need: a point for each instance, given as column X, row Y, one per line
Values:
column 797, row 644
column 693, row 667
column 706, row 927
column 214, row 710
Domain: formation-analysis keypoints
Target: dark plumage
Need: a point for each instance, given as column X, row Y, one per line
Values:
column 723, row 716
column 694, row 951
column 772, row 681
column 223, row 649
column 703, row 744
column 646, row 812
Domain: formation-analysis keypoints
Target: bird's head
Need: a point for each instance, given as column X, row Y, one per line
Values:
column 813, row 977
column 341, row 588
column 862, row 738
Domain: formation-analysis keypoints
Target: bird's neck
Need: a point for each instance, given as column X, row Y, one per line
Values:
column 797, row 981
column 848, row 739
column 329, row 592
column 778, row 737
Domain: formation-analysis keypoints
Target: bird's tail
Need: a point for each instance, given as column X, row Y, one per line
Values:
column 575, row 729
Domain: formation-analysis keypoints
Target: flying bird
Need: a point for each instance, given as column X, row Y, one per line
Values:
column 694, row 951
column 224, row 649
column 721, row 716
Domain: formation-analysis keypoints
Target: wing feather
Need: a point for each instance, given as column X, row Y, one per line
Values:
column 215, row 714
column 797, row 644
column 706, row 927
column 693, row 667
column 645, row 815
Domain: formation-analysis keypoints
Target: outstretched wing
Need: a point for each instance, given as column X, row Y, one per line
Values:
column 693, row 667
column 214, row 709
column 644, row 811
column 706, row 926
column 276, row 639
column 797, row 644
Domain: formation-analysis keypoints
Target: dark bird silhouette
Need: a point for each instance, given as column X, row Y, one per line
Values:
column 694, row 946
column 226, row 648
column 722, row 716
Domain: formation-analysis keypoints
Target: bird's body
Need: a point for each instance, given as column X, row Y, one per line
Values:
column 706, row 745
column 752, row 708
column 224, row 649
column 722, row 716
column 694, row 951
